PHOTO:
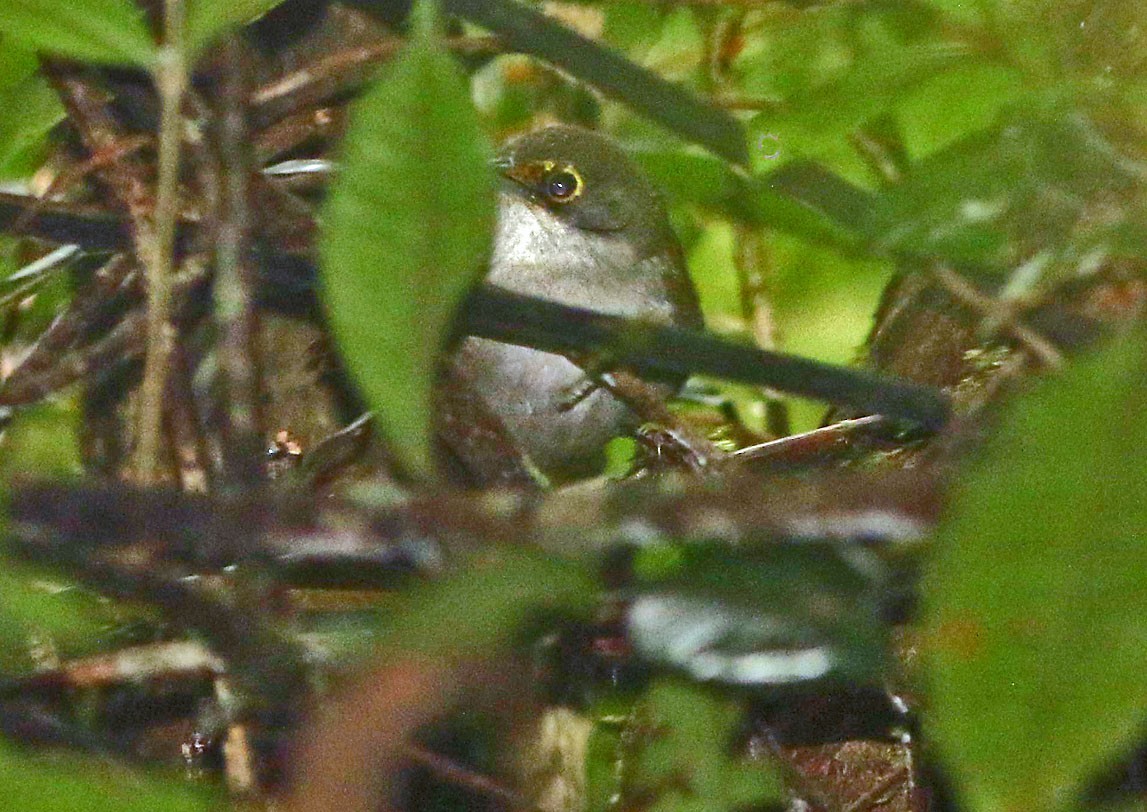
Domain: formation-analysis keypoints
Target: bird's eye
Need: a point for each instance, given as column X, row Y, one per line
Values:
column 562, row 185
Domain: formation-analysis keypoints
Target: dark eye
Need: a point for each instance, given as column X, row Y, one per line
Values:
column 562, row 185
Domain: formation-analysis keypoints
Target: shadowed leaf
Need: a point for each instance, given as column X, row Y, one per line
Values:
column 208, row 18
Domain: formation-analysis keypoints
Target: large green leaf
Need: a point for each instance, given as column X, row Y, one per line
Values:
column 1035, row 603
column 407, row 232
column 97, row 30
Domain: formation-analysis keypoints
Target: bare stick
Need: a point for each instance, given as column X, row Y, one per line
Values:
column 170, row 78
column 235, row 279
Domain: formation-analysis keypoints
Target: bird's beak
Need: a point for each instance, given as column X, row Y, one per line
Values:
column 502, row 164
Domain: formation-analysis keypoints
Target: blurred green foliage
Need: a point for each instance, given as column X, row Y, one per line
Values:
column 68, row 784
column 1036, row 611
column 674, row 747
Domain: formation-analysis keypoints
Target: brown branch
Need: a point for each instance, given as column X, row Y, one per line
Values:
column 235, row 276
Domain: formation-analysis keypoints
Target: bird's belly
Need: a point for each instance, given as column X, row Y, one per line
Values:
column 530, row 391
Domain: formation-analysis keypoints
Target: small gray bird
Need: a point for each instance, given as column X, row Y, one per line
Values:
column 578, row 224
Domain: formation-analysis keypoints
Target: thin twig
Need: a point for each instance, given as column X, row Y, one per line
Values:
column 967, row 293
column 757, row 312
column 345, row 70
column 455, row 773
column 810, row 447
column 170, row 77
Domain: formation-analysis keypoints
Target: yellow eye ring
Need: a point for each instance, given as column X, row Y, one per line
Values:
column 562, row 185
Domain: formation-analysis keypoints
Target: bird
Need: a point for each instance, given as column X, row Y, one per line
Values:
column 579, row 224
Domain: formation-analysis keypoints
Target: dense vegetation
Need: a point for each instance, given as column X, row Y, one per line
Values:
column 947, row 191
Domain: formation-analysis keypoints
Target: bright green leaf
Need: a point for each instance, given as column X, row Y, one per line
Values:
column 43, row 617
column 28, row 110
column 408, row 229
column 206, row 19
column 1035, row 606
column 110, row 31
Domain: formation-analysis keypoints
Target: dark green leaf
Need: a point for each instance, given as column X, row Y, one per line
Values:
column 96, row 30
column 1035, row 605
column 206, row 19
column 407, row 232
column 802, row 199
column 991, row 200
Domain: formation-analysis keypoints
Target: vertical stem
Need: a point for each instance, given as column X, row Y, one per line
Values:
column 752, row 265
column 170, row 77
column 235, row 316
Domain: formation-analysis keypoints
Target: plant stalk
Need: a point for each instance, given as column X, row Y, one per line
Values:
column 170, row 79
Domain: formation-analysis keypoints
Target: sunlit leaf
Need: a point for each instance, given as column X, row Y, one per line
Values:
column 28, row 110
column 42, row 441
column 408, row 229
column 940, row 112
column 110, row 31
column 1035, row 606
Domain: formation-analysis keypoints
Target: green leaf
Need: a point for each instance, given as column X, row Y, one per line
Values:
column 1034, row 605
column 206, row 19
column 110, row 31
column 28, row 112
column 527, row 30
column 482, row 605
column 42, row 441
column 683, row 755
column 43, row 617
column 408, row 229
column 995, row 198
column 41, row 784
column 939, row 112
